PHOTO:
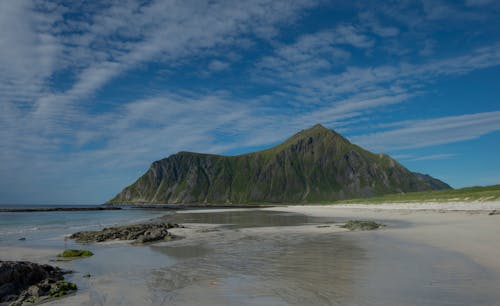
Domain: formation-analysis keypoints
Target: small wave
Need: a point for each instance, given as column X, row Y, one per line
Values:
column 20, row 231
column 123, row 220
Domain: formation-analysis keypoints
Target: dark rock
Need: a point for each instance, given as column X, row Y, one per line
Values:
column 22, row 239
column 139, row 233
column 360, row 225
column 23, row 281
column 494, row 212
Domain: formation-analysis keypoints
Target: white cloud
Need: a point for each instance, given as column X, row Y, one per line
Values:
column 27, row 54
column 217, row 65
column 314, row 52
column 350, row 35
column 356, row 106
column 431, row 132
column 477, row 2
column 49, row 129
column 330, row 89
column 112, row 39
column 434, row 157
column 443, row 10
column 384, row 31
column 369, row 21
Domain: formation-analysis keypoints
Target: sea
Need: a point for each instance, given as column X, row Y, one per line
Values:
column 44, row 227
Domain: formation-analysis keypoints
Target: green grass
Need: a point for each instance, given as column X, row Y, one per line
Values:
column 62, row 288
column 468, row 194
column 75, row 253
column 358, row 225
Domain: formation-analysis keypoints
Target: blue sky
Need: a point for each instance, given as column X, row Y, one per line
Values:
column 92, row 93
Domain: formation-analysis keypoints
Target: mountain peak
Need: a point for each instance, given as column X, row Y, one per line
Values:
column 317, row 127
column 316, row 164
column 318, row 132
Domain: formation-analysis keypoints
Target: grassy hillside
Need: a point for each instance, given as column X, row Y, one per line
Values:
column 314, row 165
column 487, row 193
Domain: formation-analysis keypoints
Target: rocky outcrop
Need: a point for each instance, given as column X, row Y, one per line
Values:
column 361, row 225
column 315, row 165
column 27, row 282
column 138, row 233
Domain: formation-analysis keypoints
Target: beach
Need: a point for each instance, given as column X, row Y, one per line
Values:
column 462, row 227
column 293, row 255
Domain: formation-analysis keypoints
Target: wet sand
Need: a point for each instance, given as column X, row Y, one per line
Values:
column 466, row 228
column 297, row 256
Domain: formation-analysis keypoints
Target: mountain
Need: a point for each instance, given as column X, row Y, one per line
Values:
column 314, row 165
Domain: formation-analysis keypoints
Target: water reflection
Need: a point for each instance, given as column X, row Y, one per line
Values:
column 182, row 251
column 286, row 268
column 242, row 219
column 248, row 268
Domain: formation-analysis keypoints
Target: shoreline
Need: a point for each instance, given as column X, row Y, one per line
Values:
column 417, row 205
column 448, row 205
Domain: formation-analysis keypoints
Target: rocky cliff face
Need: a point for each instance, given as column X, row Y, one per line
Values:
column 314, row 165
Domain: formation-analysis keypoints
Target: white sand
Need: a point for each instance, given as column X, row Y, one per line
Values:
column 461, row 227
column 465, row 206
column 39, row 255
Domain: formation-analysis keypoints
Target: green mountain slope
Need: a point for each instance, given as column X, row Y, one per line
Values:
column 467, row 194
column 314, row 165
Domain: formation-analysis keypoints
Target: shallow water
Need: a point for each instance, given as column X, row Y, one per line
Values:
column 350, row 268
column 242, row 218
column 233, row 266
column 46, row 227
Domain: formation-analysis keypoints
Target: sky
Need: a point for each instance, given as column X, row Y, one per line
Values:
column 92, row 92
